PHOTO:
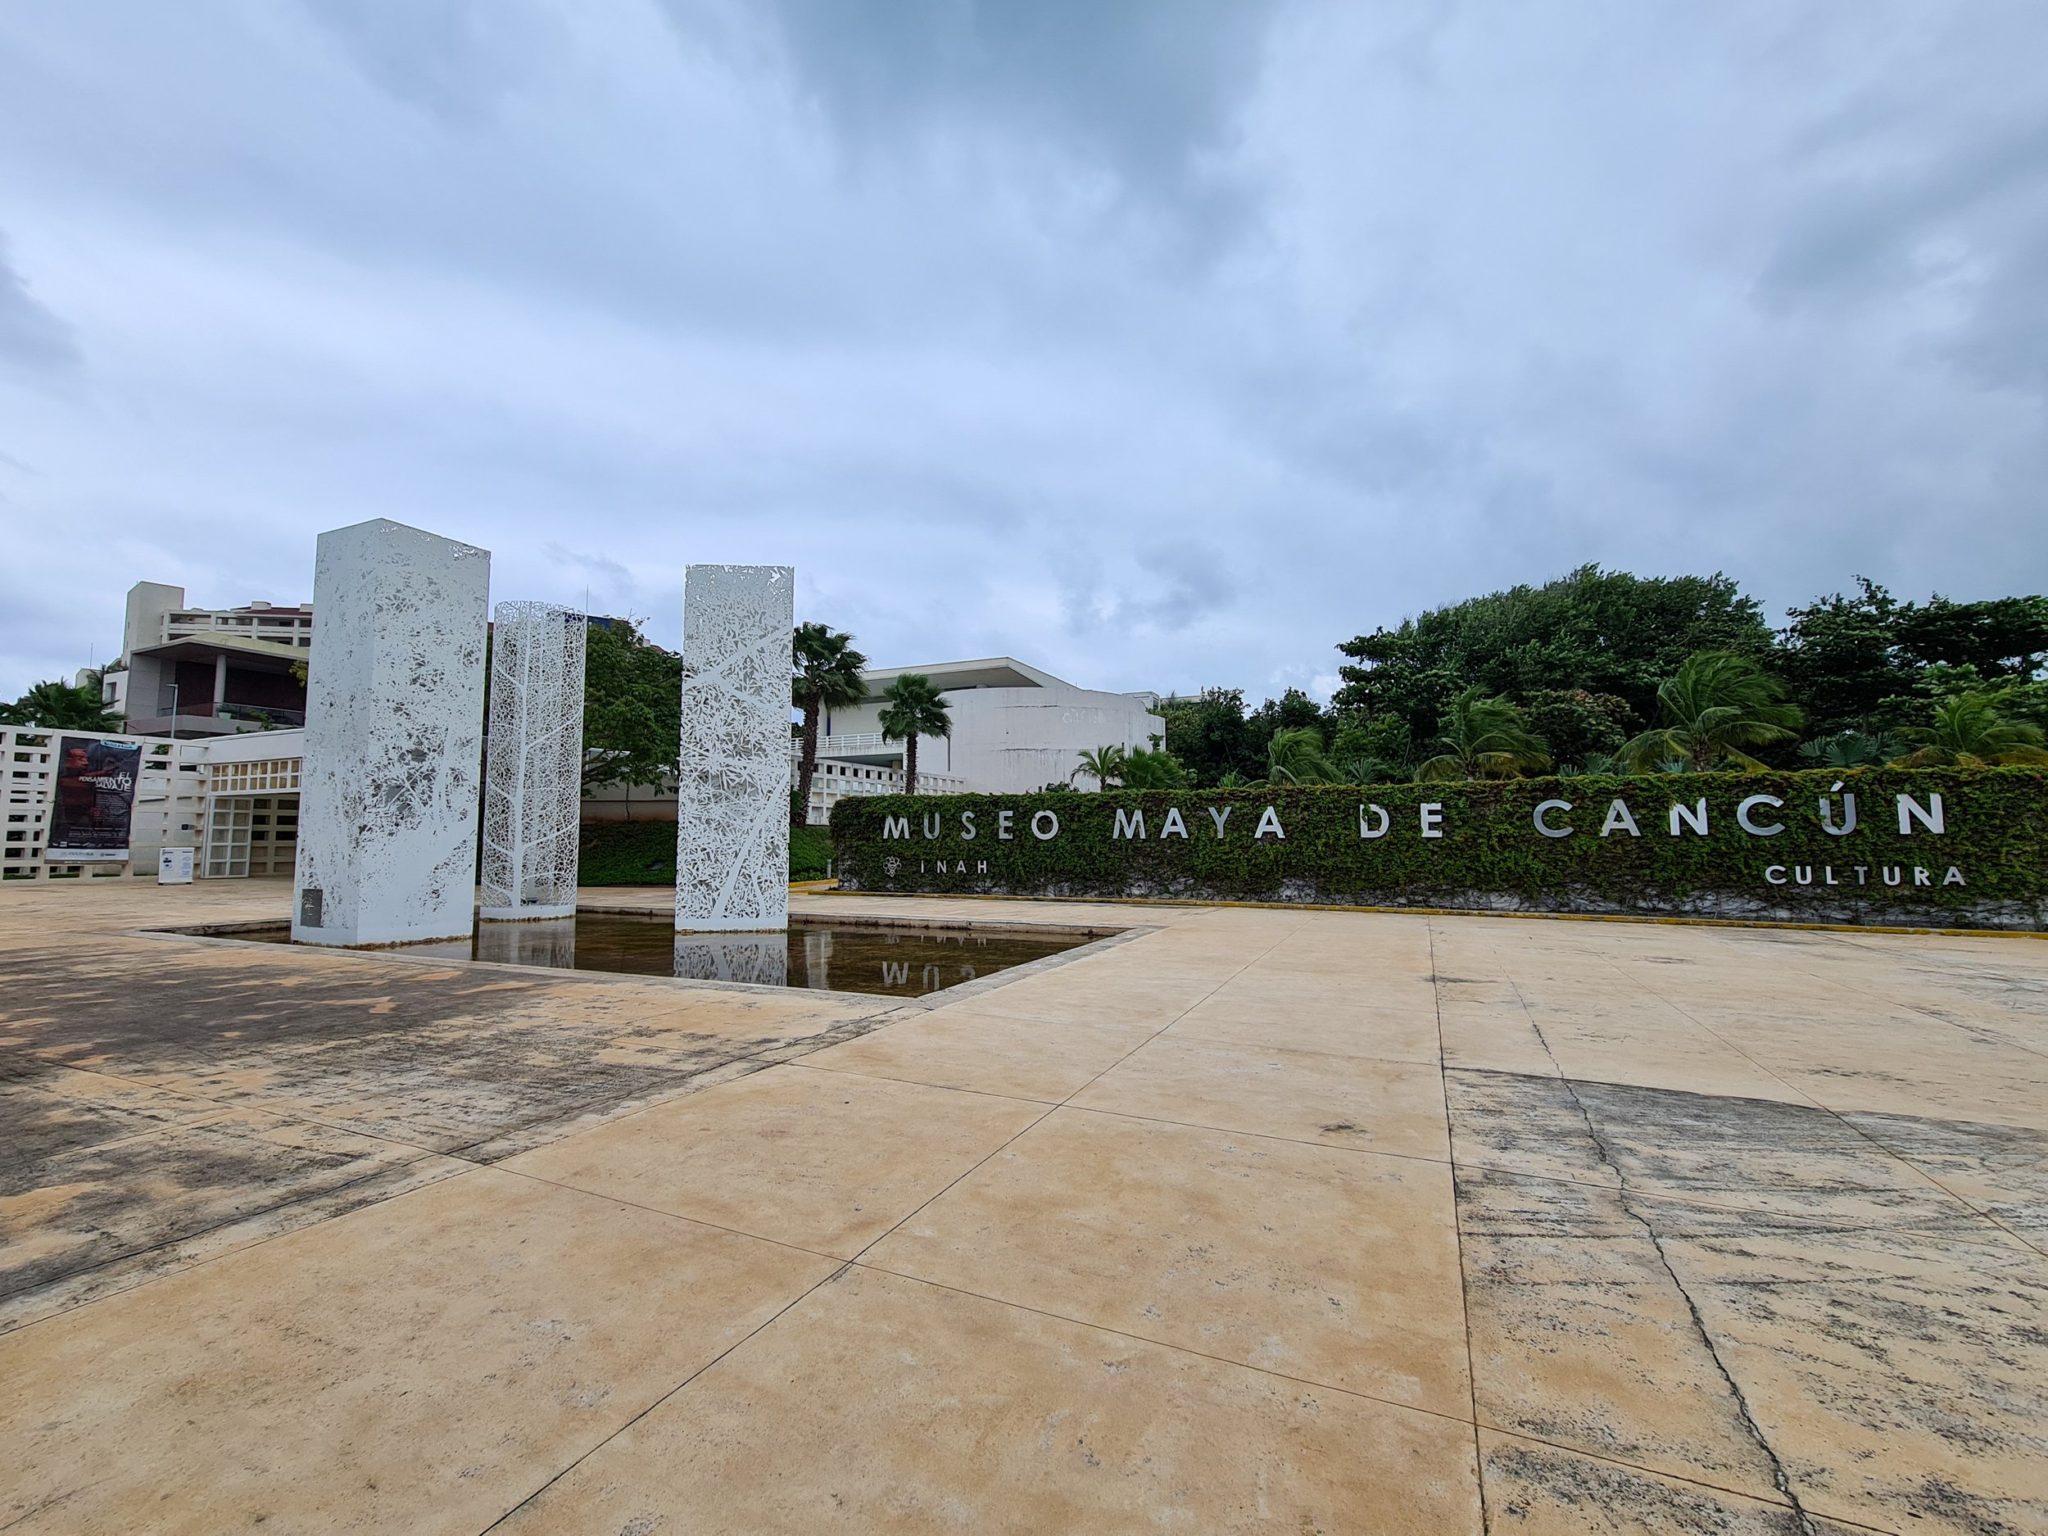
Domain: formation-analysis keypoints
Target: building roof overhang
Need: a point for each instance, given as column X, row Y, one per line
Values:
column 988, row 672
column 263, row 655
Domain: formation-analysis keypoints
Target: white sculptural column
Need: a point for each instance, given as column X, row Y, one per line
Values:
column 394, row 738
column 533, row 770
column 732, row 787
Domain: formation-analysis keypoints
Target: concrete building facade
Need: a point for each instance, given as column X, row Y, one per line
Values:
column 1016, row 728
column 189, row 672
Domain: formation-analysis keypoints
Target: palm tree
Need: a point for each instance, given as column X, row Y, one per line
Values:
column 1713, row 706
column 1370, row 769
column 1485, row 739
column 1105, row 765
column 1969, row 732
column 1296, row 756
column 825, row 675
column 61, row 707
column 1153, row 769
column 911, row 707
column 1598, row 764
column 1851, row 749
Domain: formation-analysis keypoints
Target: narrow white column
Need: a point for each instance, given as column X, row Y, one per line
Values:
column 533, row 773
column 394, row 738
column 732, row 789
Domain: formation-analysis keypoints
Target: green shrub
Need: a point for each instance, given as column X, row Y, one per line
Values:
column 1490, row 854
column 644, row 853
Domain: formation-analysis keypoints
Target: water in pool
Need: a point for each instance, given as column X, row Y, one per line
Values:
column 839, row 957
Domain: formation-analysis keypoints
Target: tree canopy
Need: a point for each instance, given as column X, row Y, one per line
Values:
column 1594, row 631
column 61, row 707
column 632, row 707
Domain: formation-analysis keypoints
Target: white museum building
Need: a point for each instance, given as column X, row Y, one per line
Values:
column 1015, row 728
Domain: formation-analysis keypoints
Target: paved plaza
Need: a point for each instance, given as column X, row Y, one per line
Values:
column 1250, row 1220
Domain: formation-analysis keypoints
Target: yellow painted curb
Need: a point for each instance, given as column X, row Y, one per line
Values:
column 833, row 889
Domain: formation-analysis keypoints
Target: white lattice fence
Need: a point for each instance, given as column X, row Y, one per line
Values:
column 533, row 772
column 168, row 802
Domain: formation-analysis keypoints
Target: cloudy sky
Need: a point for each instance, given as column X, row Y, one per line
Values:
column 1161, row 343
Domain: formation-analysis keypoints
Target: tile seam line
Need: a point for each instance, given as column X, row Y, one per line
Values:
column 1836, row 1115
column 667, row 1095
column 1451, row 1163
column 1443, row 1084
column 470, row 1164
column 226, row 1253
column 768, row 1322
column 915, row 1082
column 1152, row 1343
column 1396, row 1406
column 1050, row 1111
column 843, row 1266
column 1679, row 1477
column 1780, row 1474
column 1847, row 941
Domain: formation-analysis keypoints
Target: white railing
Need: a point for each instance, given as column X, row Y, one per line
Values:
column 855, row 741
column 834, row 782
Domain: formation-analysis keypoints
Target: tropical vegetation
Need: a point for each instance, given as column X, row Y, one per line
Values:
column 1483, row 738
column 1969, row 732
column 1714, row 707
column 62, row 707
column 632, row 707
column 911, row 708
column 1606, row 671
column 825, row 674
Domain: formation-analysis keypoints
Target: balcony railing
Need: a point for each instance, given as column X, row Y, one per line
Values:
column 848, row 743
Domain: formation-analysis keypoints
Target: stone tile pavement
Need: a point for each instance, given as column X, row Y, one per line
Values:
column 1261, row 1220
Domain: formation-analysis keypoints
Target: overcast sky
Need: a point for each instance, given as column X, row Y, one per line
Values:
column 1160, row 344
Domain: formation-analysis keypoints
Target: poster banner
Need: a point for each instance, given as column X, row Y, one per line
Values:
column 95, row 800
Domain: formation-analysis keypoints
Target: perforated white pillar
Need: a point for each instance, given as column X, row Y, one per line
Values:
column 732, row 790
column 533, row 774
column 394, row 738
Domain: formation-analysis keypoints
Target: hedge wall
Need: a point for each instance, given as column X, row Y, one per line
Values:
column 644, row 853
column 1988, row 867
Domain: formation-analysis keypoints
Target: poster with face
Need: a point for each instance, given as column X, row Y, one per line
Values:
column 95, row 800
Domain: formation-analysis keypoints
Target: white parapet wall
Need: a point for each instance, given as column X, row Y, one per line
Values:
column 533, row 774
column 732, row 793
column 394, row 738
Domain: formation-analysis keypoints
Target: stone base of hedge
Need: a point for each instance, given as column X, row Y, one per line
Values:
column 1986, row 867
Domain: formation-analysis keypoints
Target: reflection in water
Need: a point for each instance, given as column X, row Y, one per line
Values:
column 549, row 942
column 760, row 958
column 842, row 957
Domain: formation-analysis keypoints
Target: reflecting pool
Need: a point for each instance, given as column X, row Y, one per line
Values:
column 840, row 957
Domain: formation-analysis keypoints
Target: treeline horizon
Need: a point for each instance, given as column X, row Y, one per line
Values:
column 1576, row 665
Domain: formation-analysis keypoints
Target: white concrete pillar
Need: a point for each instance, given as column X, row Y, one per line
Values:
column 220, row 682
column 394, row 738
column 533, row 774
column 732, row 790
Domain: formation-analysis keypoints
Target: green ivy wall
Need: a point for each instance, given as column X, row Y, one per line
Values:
column 1988, row 867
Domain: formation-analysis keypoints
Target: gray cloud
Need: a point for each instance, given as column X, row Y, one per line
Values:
column 30, row 335
column 1162, row 343
column 1143, row 89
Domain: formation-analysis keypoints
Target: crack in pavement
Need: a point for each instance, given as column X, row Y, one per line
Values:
column 1779, row 1477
